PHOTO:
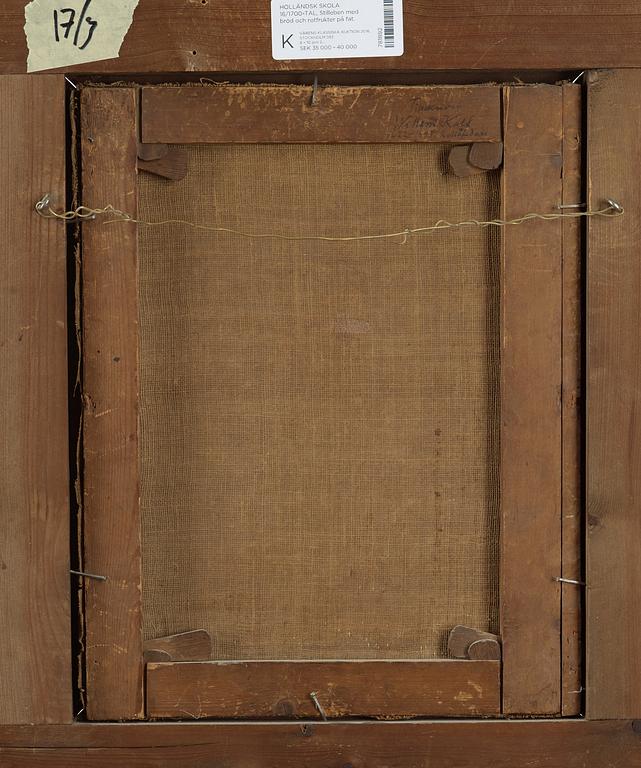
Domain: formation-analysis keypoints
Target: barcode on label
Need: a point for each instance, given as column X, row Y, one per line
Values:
column 388, row 23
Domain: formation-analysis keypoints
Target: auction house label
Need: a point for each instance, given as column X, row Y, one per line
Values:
column 336, row 30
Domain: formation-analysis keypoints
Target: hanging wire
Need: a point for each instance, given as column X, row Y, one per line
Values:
column 44, row 208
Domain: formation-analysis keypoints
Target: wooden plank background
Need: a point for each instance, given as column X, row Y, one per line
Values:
column 284, row 114
column 472, row 744
column 531, row 296
column 110, row 393
column 383, row 689
column 614, row 399
column 35, row 663
column 225, row 35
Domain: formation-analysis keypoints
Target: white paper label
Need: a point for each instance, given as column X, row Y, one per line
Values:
column 336, row 30
column 61, row 33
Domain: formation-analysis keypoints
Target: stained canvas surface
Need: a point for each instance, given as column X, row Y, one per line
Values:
column 319, row 420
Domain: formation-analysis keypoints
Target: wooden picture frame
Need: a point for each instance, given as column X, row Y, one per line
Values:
column 597, row 699
column 533, row 374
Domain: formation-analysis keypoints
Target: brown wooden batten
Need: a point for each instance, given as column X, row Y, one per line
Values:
column 531, row 295
column 323, row 689
column 110, row 348
column 284, row 114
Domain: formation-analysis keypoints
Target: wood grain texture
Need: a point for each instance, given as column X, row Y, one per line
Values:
column 110, row 392
column 197, row 36
column 283, row 114
column 35, row 665
column 186, row 646
column 484, row 650
column 487, row 156
column 467, row 643
column 173, row 165
column 571, row 565
column 530, row 403
column 380, row 689
column 459, row 162
column 613, row 626
column 147, row 152
column 489, row 744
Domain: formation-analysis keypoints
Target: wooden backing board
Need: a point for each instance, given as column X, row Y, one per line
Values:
column 35, row 664
column 284, row 114
column 614, row 399
column 110, row 394
column 223, row 35
column 467, row 744
column 571, row 565
column 379, row 689
column 530, row 403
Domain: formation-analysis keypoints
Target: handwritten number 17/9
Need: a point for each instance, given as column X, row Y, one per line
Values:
column 65, row 27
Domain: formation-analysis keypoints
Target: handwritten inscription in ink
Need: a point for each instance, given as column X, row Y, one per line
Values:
column 451, row 114
column 63, row 33
column 68, row 23
column 455, row 125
